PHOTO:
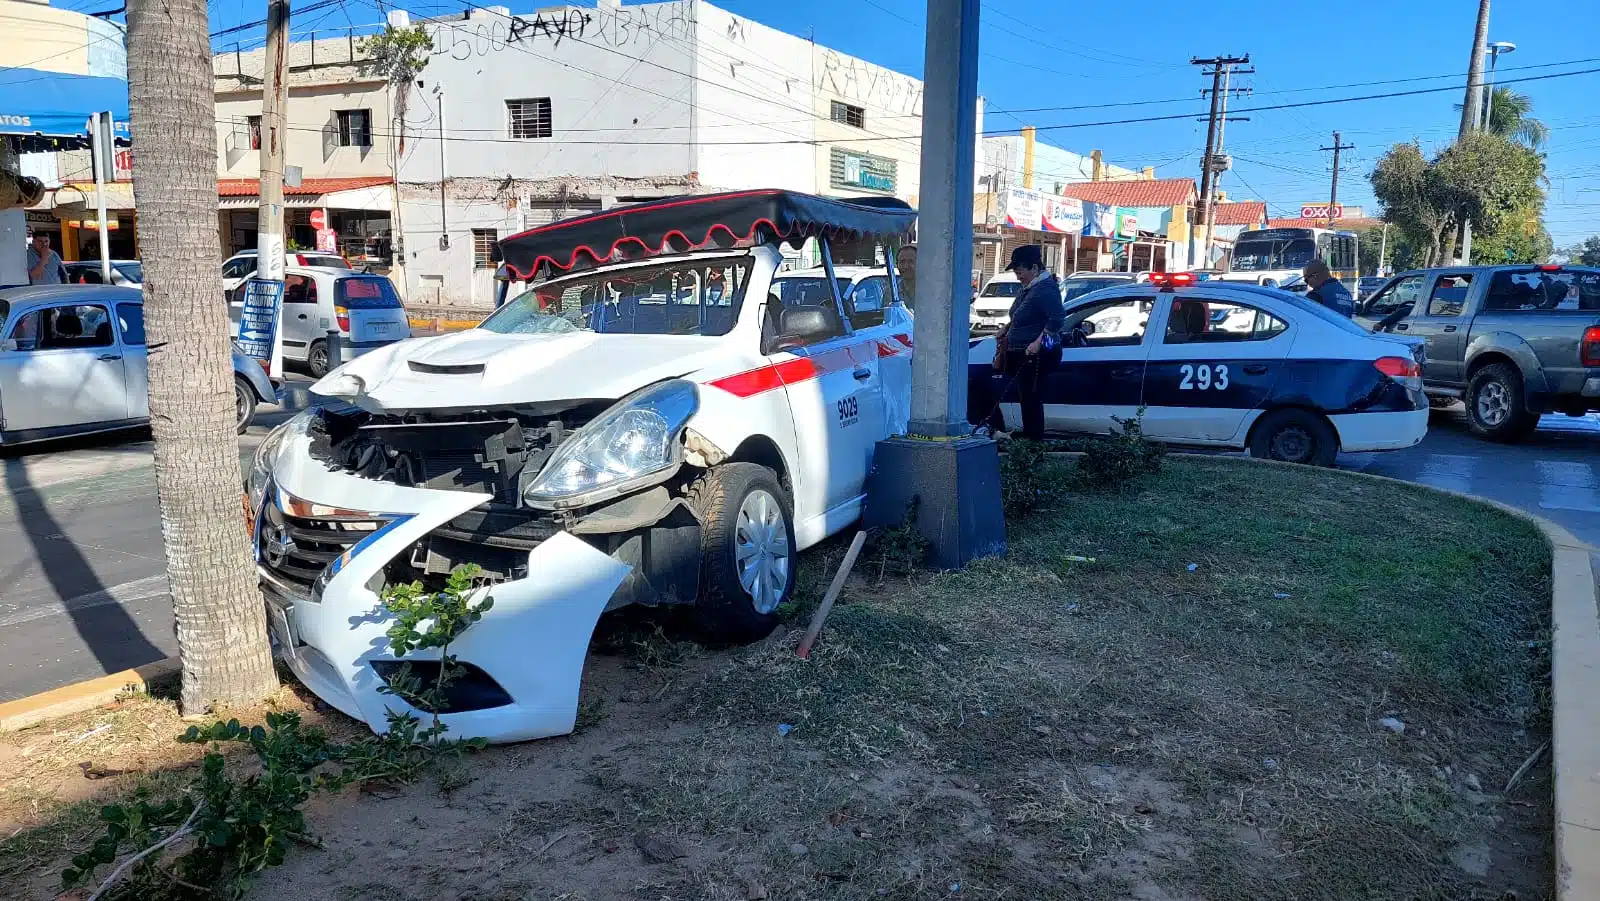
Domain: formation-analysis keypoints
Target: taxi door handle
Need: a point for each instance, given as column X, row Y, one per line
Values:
column 1402, row 327
column 1255, row 369
column 1124, row 371
column 302, row 316
column 109, row 357
column 1449, row 328
column 862, row 373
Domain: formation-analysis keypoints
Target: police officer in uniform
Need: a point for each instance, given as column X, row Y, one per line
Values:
column 1030, row 345
column 1327, row 290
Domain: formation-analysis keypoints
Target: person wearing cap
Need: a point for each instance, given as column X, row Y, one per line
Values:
column 1327, row 290
column 1032, row 339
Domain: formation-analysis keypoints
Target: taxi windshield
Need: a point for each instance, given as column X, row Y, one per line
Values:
column 685, row 297
column 1002, row 289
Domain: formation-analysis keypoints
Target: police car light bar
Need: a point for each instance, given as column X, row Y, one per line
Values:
column 1172, row 279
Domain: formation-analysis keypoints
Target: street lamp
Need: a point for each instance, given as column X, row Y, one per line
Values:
column 1494, row 50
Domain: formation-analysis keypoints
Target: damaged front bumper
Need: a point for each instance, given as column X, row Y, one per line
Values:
column 327, row 542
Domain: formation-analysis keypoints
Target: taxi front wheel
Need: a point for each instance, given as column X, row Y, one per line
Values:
column 1294, row 436
column 747, row 551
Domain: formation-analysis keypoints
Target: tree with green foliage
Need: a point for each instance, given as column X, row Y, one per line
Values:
column 1511, row 116
column 1482, row 177
column 1587, row 253
column 399, row 55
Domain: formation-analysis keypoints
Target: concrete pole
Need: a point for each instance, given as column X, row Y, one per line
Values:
column 944, row 240
column 274, row 135
column 1472, row 106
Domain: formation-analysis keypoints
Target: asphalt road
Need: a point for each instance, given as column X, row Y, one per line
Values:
column 84, row 574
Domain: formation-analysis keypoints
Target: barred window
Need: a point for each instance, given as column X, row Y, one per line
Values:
column 483, row 241
column 853, row 116
column 355, row 128
column 528, row 118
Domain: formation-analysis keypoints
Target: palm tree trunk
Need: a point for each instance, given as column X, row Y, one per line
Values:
column 222, row 637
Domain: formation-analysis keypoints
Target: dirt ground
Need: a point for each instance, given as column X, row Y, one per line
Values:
column 1198, row 713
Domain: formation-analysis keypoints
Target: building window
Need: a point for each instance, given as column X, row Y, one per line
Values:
column 254, row 124
column 853, row 116
column 355, row 127
column 528, row 118
column 483, row 240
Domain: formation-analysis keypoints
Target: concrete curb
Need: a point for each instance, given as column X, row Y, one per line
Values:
column 1575, row 673
column 442, row 325
column 81, row 696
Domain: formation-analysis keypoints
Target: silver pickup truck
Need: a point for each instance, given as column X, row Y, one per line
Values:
column 1512, row 342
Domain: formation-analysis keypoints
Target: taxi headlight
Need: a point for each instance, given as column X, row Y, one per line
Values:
column 636, row 438
column 267, row 454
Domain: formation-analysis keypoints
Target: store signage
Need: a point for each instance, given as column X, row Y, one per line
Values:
column 852, row 169
column 327, row 240
column 1320, row 211
column 1127, row 224
column 1037, row 211
column 319, row 219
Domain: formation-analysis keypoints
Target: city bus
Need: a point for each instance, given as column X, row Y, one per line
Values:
column 1276, row 255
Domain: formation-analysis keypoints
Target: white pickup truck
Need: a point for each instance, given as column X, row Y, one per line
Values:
column 650, row 423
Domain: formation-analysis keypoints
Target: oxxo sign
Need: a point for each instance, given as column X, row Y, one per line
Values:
column 1320, row 211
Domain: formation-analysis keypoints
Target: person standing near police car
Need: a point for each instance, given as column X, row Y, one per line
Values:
column 1030, row 343
column 1327, row 290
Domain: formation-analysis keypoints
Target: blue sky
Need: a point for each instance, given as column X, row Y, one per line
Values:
column 1046, row 53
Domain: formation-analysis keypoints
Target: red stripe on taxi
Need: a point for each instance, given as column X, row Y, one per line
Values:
column 766, row 378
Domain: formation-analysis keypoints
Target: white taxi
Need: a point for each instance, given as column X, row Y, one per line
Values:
column 650, row 423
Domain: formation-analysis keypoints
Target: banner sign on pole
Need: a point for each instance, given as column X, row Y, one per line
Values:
column 1038, row 211
column 327, row 240
column 258, row 321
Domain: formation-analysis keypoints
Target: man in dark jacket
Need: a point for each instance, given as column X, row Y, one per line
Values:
column 1032, row 339
column 1327, row 290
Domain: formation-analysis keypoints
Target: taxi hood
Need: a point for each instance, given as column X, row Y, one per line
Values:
column 479, row 368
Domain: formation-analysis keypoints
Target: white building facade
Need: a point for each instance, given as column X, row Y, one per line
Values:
column 521, row 120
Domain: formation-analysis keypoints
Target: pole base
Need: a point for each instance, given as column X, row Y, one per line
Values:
column 956, row 484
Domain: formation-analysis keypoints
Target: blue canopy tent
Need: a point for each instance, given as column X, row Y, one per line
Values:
column 51, row 110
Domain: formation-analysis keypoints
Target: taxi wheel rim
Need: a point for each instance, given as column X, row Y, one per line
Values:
column 1494, row 403
column 761, row 551
column 239, row 402
column 1292, row 444
column 319, row 357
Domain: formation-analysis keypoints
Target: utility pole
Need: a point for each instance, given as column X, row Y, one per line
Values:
column 1470, row 107
column 269, row 215
column 1333, row 194
column 1221, row 66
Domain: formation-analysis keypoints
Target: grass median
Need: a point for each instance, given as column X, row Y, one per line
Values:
column 1231, row 681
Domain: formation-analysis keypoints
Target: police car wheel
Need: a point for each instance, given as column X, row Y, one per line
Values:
column 1495, row 406
column 747, row 551
column 1294, row 436
column 244, row 405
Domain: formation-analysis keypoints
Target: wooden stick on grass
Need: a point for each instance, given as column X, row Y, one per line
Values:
column 833, row 593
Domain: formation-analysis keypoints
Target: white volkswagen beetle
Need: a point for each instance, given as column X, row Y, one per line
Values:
column 650, row 423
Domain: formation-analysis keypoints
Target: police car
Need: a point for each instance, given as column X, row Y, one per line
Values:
column 1227, row 365
column 653, row 421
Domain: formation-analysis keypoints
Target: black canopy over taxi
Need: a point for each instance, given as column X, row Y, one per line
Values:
column 701, row 220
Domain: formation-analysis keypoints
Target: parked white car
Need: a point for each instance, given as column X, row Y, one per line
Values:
column 126, row 273
column 658, row 428
column 364, row 307
column 73, row 362
column 242, row 265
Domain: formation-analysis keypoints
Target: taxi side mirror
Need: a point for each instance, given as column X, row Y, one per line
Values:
column 802, row 325
column 8, row 345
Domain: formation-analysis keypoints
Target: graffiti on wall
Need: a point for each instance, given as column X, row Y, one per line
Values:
column 855, row 79
column 623, row 27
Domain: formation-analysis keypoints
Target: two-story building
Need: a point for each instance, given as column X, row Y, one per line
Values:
column 339, row 155
column 518, row 120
